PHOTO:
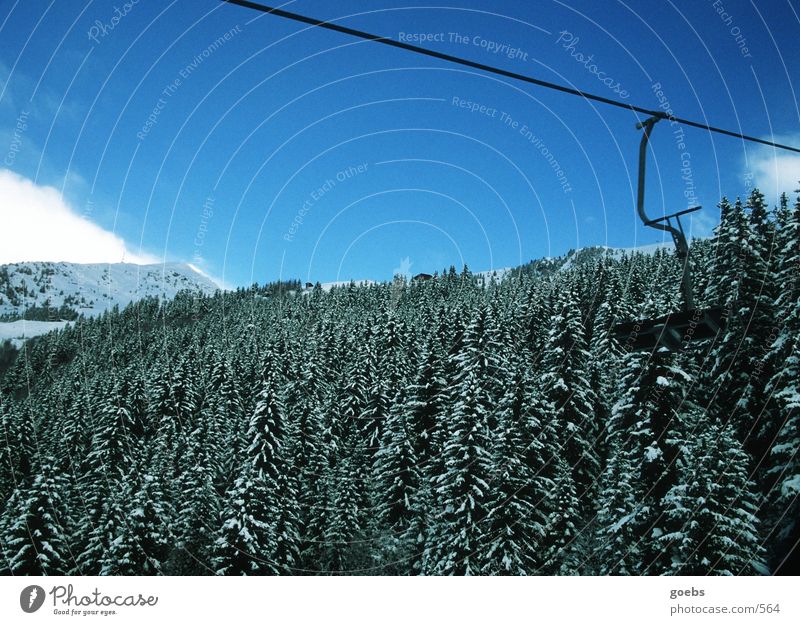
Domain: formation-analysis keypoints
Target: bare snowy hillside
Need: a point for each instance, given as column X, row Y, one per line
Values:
column 92, row 289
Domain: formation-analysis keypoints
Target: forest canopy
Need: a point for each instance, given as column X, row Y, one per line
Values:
column 458, row 425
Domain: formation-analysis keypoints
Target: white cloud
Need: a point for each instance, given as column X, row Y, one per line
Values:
column 701, row 224
column 36, row 224
column 775, row 171
column 222, row 284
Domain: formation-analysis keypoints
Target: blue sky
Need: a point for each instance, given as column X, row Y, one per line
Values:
column 283, row 151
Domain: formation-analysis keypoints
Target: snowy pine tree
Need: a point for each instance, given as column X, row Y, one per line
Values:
column 36, row 527
column 567, row 388
column 459, row 543
column 710, row 518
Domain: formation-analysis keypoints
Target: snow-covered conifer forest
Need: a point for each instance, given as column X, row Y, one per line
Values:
column 457, row 425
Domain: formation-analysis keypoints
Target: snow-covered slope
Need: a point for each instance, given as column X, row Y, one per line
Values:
column 18, row 331
column 585, row 254
column 576, row 257
column 92, row 289
column 573, row 258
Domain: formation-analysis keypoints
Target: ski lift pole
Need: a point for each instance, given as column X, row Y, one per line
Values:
column 665, row 223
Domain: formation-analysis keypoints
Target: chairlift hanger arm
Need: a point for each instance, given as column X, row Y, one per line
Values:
column 664, row 223
column 693, row 209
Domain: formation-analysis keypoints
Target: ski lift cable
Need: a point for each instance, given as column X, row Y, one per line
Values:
column 500, row 72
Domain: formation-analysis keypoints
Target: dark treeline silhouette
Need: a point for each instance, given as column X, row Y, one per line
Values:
column 458, row 425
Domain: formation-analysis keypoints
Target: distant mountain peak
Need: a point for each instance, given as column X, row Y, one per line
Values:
column 92, row 288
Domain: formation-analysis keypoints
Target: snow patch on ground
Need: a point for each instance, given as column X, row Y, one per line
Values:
column 18, row 331
column 497, row 274
column 327, row 286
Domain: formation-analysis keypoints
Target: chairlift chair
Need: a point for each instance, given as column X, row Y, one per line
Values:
column 690, row 324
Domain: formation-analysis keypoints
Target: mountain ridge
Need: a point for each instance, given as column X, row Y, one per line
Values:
column 92, row 288
column 38, row 297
